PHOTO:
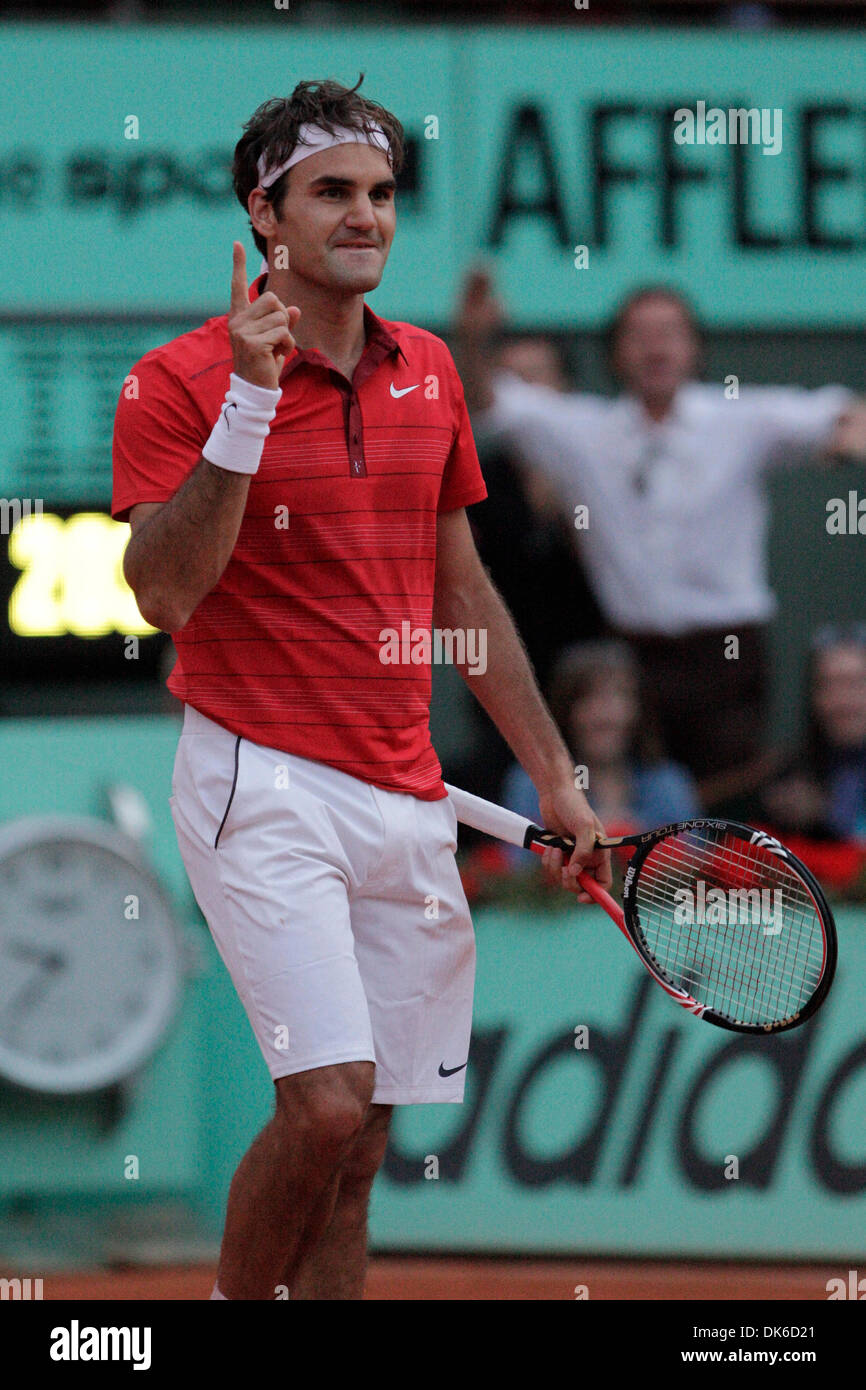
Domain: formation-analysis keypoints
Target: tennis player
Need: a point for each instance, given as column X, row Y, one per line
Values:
column 295, row 476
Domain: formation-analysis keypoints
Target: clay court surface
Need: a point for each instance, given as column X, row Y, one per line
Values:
column 425, row 1279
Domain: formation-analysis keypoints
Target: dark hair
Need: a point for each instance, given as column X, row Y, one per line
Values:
column 617, row 323
column 273, row 131
column 817, row 749
column 813, row 759
column 578, row 671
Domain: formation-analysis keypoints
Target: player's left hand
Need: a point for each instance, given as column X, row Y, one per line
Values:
column 565, row 809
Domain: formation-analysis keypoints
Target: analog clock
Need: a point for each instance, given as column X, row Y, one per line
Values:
column 90, row 955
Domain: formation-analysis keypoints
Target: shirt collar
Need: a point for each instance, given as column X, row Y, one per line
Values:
column 376, row 333
column 636, row 414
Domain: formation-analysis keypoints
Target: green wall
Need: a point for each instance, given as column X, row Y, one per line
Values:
column 528, row 143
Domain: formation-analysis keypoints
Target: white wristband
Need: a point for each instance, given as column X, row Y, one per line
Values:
column 238, row 437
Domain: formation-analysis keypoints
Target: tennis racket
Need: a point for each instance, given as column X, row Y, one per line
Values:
column 727, row 920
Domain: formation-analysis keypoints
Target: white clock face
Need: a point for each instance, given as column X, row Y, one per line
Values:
column 89, row 956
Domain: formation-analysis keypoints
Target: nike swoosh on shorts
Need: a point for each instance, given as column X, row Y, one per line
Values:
column 449, row 1071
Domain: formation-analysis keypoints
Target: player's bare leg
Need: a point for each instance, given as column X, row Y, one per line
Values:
column 335, row 1265
column 282, row 1193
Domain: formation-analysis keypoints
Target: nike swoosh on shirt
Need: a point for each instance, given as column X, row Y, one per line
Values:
column 449, row 1071
column 405, row 391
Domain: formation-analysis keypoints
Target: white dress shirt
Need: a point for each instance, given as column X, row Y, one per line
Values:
column 677, row 524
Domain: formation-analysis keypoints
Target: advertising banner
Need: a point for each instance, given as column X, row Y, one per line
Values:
column 599, row 1117
column 580, row 162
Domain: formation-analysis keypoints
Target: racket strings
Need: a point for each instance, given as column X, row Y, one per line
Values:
column 726, row 956
column 678, row 880
column 754, row 960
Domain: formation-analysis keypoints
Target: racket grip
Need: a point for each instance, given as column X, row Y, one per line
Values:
column 517, row 830
column 589, row 884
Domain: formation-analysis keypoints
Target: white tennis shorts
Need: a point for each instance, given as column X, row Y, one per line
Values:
column 337, row 909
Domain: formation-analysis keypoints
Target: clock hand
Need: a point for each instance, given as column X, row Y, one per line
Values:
column 25, row 950
column 34, row 988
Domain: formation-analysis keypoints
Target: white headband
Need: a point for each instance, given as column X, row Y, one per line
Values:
column 315, row 139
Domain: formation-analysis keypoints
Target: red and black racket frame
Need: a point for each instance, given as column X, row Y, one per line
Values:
column 540, row 840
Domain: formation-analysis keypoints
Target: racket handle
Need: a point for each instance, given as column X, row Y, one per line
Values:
column 503, row 824
column 517, row 830
column 496, row 821
column 507, row 825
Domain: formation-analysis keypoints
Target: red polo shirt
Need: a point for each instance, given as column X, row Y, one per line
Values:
column 337, row 543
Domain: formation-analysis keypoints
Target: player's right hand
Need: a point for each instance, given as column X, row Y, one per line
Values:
column 260, row 331
column 565, row 809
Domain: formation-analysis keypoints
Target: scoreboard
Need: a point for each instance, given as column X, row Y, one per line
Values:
column 71, row 577
column 68, row 613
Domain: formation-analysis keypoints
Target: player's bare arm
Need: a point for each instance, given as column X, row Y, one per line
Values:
column 179, row 549
column 466, row 599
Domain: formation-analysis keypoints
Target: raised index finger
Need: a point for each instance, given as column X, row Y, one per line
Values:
column 240, row 290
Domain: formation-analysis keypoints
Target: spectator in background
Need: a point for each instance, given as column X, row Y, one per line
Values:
column 529, row 550
column 672, row 474
column 594, row 698
column 523, row 537
column 822, row 793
